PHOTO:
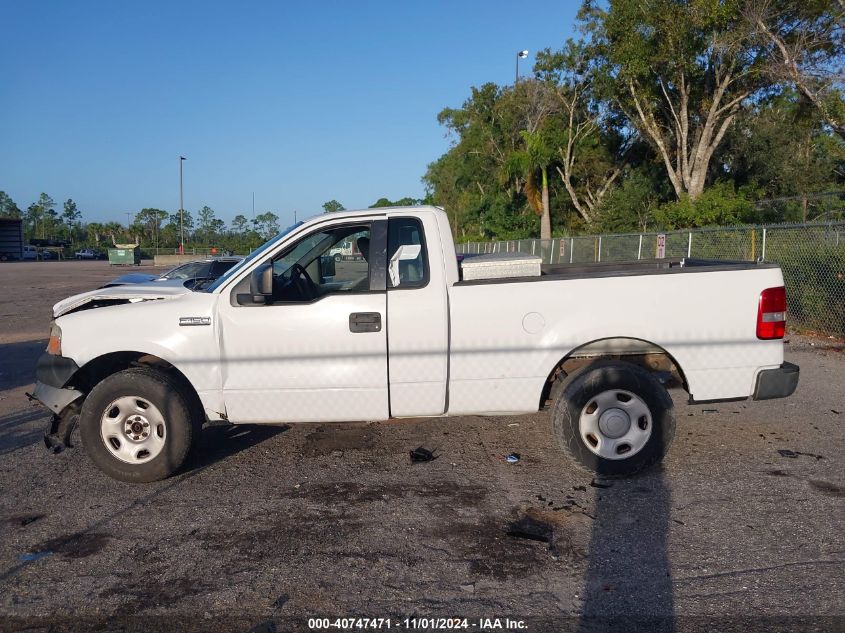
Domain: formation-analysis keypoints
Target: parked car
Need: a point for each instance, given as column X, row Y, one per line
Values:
column 202, row 270
column 89, row 253
column 30, row 253
column 406, row 333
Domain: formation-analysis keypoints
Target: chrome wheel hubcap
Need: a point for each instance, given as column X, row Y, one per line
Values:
column 133, row 429
column 615, row 424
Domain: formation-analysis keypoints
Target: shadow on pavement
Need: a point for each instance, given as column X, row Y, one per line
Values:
column 17, row 363
column 17, row 432
column 220, row 441
column 628, row 585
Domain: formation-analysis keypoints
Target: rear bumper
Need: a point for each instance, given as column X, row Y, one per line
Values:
column 776, row 383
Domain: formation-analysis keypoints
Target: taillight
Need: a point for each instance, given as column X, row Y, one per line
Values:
column 771, row 313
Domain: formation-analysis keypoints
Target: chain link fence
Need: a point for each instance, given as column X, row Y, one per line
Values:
column 812, row 257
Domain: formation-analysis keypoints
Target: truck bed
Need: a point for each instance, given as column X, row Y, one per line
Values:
column 550, row 272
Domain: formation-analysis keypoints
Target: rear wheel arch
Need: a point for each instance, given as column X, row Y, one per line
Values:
column 650, row 356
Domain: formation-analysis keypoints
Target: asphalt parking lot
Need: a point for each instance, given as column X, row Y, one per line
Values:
column 270, row 526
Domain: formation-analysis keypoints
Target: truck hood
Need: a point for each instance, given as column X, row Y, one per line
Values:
column 116, row 296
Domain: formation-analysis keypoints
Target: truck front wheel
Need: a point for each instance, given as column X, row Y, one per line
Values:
column 614, row 418
column 136, row 425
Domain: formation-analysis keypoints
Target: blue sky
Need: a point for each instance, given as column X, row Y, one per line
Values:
column 298, row 102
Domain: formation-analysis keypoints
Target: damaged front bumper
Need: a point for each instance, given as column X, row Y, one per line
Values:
column 52, row 375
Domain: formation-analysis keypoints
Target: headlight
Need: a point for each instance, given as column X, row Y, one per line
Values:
column 54, row 346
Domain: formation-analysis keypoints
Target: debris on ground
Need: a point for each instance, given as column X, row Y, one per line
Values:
column 836, row 412
column 580, row 488
column 785, row 452
column 279, row 602
column 28, row 557
column 598, row 483
column 532, row 530
column 513, row 458
column 22, row 520
column 420, row 454
column 468, row 587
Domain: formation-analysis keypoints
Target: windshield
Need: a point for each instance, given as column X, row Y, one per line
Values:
column 249, row 258
column 186, row 271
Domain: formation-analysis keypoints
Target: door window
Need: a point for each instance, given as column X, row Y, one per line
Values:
column 407, row 265
column 325, row 262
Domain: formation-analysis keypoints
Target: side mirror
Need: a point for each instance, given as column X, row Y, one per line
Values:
column 261, row 283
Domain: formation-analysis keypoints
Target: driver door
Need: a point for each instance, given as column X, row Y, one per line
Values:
column 318, row 350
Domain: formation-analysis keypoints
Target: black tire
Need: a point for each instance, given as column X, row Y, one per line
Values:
column 579, row 391
column 182, row 426
column 337, row 258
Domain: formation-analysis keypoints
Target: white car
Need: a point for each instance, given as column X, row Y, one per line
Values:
column 87, row 253
column 403, row 334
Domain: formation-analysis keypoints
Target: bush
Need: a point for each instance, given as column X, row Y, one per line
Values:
column 814, row 275
column 720, row 205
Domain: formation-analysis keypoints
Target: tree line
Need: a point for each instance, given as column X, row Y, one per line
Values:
column 153, row 228
column 661, row 114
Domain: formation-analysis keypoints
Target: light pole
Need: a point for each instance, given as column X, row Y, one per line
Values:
column 519, row 55
column 181, row 211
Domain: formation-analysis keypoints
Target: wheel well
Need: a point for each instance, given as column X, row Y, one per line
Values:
column 95, row 370
column 647, row 355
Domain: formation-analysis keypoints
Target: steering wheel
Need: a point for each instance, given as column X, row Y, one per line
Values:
column 302, row 280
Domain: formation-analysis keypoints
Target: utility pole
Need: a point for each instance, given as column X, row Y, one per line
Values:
column 181, row 211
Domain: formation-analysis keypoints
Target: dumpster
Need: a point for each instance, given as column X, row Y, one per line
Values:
column 125, row 255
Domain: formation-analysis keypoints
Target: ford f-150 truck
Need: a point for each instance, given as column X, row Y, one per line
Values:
column 401, row 334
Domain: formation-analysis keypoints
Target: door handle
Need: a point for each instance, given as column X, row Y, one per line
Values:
column 365, row 322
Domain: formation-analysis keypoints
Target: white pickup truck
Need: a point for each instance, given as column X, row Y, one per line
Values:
column 400, row 334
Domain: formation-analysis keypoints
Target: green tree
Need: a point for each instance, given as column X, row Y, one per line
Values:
column 680, row 72
column 174, row 228
column 95, row 232
column 594, row 148
column 266, row 224
column 332, row 205
column 47, row 214
column 33, row 218
column 805, row 46
column 8, row 208
column 149, row 220
column 240, row 225
column 70, row 215
column 401, row 202
column 206, row 220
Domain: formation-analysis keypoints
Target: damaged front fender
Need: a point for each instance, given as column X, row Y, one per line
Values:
column 65, row 405
column 54, row 398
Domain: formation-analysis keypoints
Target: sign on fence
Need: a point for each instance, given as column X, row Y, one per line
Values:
column 661, row 246
column 562, row 249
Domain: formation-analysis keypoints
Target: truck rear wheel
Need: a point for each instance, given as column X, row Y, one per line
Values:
column 614, row 418
column 136, row 425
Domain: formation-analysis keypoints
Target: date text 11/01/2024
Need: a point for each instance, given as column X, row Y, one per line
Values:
column 418, row 624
